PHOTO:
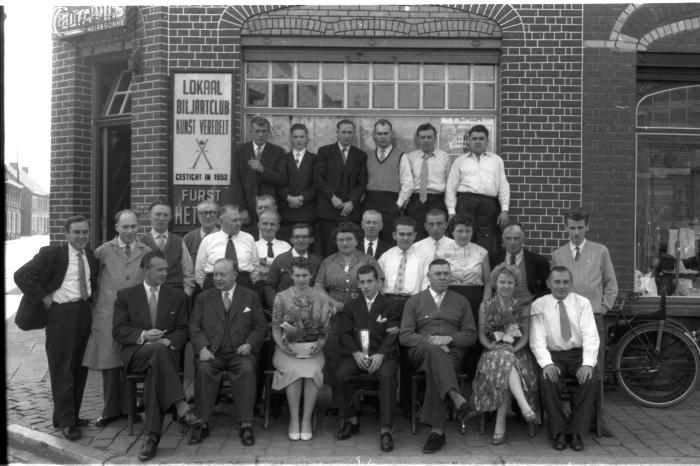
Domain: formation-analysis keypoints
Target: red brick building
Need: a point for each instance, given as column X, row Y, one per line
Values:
column 583, row 102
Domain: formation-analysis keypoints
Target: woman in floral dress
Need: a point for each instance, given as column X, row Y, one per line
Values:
column 506, row 367
column 300, row 315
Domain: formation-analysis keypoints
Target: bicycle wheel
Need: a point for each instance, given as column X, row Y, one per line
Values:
column 657, row 380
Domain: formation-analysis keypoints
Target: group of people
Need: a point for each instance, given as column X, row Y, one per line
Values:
column 392, row 296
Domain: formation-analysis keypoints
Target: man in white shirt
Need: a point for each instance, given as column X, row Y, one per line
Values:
column 423, row 176
column 231, row 243
column 477, row 187
column 564, row 340
column 435, row 225
column 268, row 249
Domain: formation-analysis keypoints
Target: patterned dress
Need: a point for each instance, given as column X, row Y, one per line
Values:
column 492, row 374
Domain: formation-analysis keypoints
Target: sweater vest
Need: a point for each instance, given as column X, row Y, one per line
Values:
column 521, row 290
column 173, row 254
column 383, row 176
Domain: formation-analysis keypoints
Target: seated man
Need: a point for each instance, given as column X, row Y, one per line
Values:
column 564, row 340
column 437, row 327
column 150, row 324
column 381, row 317
column 227, row 328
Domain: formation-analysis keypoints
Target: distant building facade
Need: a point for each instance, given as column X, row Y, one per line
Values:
column 32, row 214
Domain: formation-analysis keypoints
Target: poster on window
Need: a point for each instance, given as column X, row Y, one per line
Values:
column 202, row 116
column 453, row 133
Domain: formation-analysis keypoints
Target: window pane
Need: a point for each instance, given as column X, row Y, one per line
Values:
column 458, row 72
column 409, row 72
column 458, row 96
column 257, row 94
column 434, row 72
column 384, row 71
column 678, row 107
column 332, row 70
column 694, row 107
column 116, row 104
column 332, row 95
column 124, row 81
column 383, row 96
column 409, row 96
column 484, row 72
column 358, row 95
column 433, row 96
column 307, row 95
column 358, row 71
column 660, row 109
column 256, row 69
column 282, row 95
column 282, row 70
column 307, row 70
column 484, row 96
column 127, row 104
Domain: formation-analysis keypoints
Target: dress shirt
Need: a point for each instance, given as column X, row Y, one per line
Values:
column 387, row 151
column 371, row 301
column 255, row 149
column 466, row 263
column 229, row 293
column 185, row 262
column 278, row 247
column 148, row 287
column 296, row 254
column 70, row 288
column 122, row 244
column 573, row 247
column 518, row 258
column 414, row 276
column 300, row 155
column 213, row 248
column 437, row 295
column 374, row 246
column 410, row 168
column 426, row 247
column 483, row 175
column 545, row 335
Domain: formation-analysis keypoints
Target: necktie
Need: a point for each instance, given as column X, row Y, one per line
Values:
column 437, row 246
column 270, row 252
column 370, row 249
column 231, row 250
column 512, row 259
column 401, row 273
column 578, row 253
column 227, row 301
column 127, row 250
column 381, row 155
column 297, row 159
column 258, row 152
column 345, row 154
column 161, row 242
column 438, row 300
column 423, row 195
column 564, row 324
column 153, row 305
column 81, row 276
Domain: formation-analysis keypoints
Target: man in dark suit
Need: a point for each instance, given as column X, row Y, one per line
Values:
column 298, row 194
column 381, row 317
column 340, row 176
column 372, row 225
column 227, row 329
column 533, row 267
column 58, row 284
column 150, row 324
column 257, row 168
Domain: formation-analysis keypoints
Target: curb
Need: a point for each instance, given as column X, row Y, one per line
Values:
column 55, row 449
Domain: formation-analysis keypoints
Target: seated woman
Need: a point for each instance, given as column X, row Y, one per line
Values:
column 506, row 367
column 300, row 319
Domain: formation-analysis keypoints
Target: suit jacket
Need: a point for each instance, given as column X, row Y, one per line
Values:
column 247, row 183
column 385, row 313
column 347, row 181
column 299, row 181
column 380, row 247
column 247, row 322
column 43, row 275
column 536, row 266
column 132, row 317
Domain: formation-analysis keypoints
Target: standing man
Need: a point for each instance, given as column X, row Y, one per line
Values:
column 340, row 175
column 58, row 284
column 564, row 340
column 298, row 194
column 423, row 176
column 383, row 178
column 207, row 212
column 231, row 243
column 257, row 167
column 372, row 225
column 533, row 267
column 120, row 268
column 150, row 324
column 477, row 187
column 381, row 317
column 180, row 267
column 227, row 329
column 436, row 242
column 593, row 277
column 437, row 327
column 263, row 203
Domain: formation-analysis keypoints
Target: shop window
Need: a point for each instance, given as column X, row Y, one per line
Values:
column 668, row 186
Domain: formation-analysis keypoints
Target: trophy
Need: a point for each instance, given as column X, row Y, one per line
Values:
column 364, row 343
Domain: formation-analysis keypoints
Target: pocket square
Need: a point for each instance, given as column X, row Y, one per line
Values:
column 247, row 309
column 381, row 319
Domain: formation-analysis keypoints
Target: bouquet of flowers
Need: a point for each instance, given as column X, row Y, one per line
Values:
column 503, row 326
column 300, row 325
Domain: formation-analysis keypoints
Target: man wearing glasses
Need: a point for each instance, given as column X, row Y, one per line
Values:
column 207, row 212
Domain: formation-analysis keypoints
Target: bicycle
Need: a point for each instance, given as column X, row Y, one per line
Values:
column 657, row 361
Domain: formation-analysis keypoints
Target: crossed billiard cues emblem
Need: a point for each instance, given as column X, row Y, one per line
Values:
column 202, row 152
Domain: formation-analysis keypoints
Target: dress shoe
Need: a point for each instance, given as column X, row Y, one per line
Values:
column 434, row 444
column 149, row 448
column 79, row 423
column 199, row 433
column 71, row 433
column 294, row 433
column 188, row 419
column 306, row 436
column 465, row 413
column 247, row 437
column 559, row 442
column 348, row 430
column 498, row 439
column 576, row 442
column 530, row 417
column 105, row 421
column 386, row 442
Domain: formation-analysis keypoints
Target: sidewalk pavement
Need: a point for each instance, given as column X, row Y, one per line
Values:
column 641, row 435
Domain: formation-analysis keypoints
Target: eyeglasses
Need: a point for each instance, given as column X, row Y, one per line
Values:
column 208, row 213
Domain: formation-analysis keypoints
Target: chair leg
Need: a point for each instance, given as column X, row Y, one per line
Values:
column 131, row 403
column 531, row 430
column 414, row 401
column 268, row 389
column 482, row 423
column 599, row 410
